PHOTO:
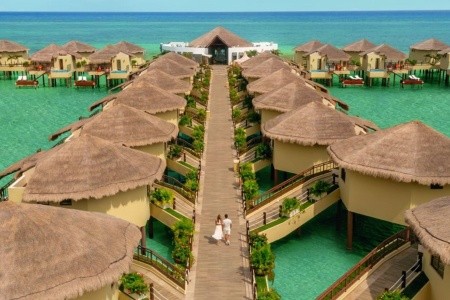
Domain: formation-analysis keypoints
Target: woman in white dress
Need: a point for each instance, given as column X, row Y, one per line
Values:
column 218, row 233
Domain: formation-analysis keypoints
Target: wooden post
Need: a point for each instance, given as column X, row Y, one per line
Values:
column 152, row 292
column 403, row 279
column 150, row 227
column 349, row 230
column 143, row 240
column 280, row 211
column 174, row 205
column 338, row 215
column 264, row 218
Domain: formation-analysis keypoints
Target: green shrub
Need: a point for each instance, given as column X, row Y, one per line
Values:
column 181, row 254
column 250, row 189
column 182, row 228
column 201, row 114
column 232, row 81
column 161, row 196
column 392, row 295
column 271, row 294
column 175, row 151
column 251, row 53
column 263, row 260
column 191, row 181
column 246, row 172
column 257, row 240
column 319, row 188
column 253, row 117
column 289, row 204
column 192, row 175
column 198, row 145
column 263, row 151
column 236, row 113
column 198, row 132
column 185, row 120
column 190, row 101
column 240, row 138
column 133, row 283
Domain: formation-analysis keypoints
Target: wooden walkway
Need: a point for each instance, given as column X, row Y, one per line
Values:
column 385, row 276
column 220, row 271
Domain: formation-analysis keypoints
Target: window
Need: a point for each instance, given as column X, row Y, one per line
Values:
column 66, row 202
column 438, row 265
column 343, row 174
column 436, row 186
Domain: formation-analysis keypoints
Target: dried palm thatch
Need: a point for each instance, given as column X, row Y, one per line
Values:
column 257, row 59
column 103, row 56
column 172, row 68
column 311, row 124
column 9, row 46
column 90, row 167
column 388, row 52
column 430, row 44
column 227, row 37
column 410, row 152
column 48, row 53
column 23, row 164
column 71, row 127
column 78, row 47
column 287, row 98
column 309, row 46
column 102, row 101
column 180, row 59
column 431, row 224
column 265, row 68
column 273, row 81
column 127, row 47
column 55, row 253
column 444, row 51
column 149, row 98
column 359, row 46
column 332, row 53
column 129, row 126
column 162, row 80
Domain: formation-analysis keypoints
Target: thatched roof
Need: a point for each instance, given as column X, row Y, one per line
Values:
column 311, row 124
column 180, row 59
column 103, row 56
column 444, row 51
column 9, row 46
column 71, row 127
column 332, row 53
column 172, row 68
column 410, row 152
column 102, row 101
column 56, row 253
column 162, row 80
column 127, row 47
column 387, row 51
column 359, row 46
column 257, row 59
column 287, row 98
column 78, row 47
column 90, row 167
column 24, row 164
column 431, row 224
column 309, row 46
column 265, row 68
column 129, row 126
column 430, row 44
column 227, row 37
column 48, row 53
column 273, row 81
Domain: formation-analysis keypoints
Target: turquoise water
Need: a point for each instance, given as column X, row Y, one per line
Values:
column 162, row 240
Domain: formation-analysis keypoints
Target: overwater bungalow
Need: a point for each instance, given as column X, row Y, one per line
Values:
column 91, row 174
column 300, row 137
column 325, row 61
column 355, row 50
column 430, row 222
column 387, row 172
column 265, row 68
column 257, row 59
column 183, row 60
column 301, row 50
column 83, row 51
column 55, row 253
column 445, row 63
column 162, row 80
column 273, row 81
column 424, row 55
column 13, row 57
column 173, row 68
column 381, row 61
column 218, row 46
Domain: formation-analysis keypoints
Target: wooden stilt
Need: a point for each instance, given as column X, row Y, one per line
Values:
column 275, row 176
column 349, row 230
column 143, row 240
column 150, row 227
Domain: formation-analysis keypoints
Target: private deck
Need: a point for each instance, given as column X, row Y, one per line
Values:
column 220, row 271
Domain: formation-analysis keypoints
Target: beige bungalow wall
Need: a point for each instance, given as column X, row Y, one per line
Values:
column 312, row 62
column 420, row 55
column 22, row 57
column 369, row 61
column 106, row 293
column 354, row 56
column 267, row 115
column 68, row 62
column 295, row 158
column 439, row 287
column 169, row 116
column 445, row 61
column 125, row 62
column 158, row 149
column 382, row 198
column 299, row 58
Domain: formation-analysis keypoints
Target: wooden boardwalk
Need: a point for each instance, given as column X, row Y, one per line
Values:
column 385, row 276
column 220, row 271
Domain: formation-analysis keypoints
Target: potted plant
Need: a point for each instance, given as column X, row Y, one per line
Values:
column 319, row 189
column 263, row 260
column 290, row 207
column 181, row 254
column 257, row 240
column 250, row 189
column 271, row 294
column 133, row 283
column 392, row 295
column 175, row 151
column 161, row 197
column 246, row 172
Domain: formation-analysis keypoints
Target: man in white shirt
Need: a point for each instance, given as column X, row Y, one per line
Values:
column 226, row 223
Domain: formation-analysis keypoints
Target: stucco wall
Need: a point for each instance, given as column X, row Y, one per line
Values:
column 369, row 61
column 445, row 62
column 158, row 149
column 125, row 62
column 267, row 115
column 106, row 293
column 169, row 116
column 419, row 55
column 68, row 62
column 22, row 56
column 440, row 287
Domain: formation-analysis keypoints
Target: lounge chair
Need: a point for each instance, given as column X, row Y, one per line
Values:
column 80, row 78
column 352, row 77
column 357, row 77
column 414, row 77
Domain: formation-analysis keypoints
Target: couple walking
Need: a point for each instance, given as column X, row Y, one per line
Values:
column 223, row 227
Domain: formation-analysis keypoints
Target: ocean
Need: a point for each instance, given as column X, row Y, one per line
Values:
column 29, row 116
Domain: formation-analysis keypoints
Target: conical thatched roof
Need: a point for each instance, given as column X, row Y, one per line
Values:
column 431, row 224
column 55, row 253
column 430, row 44
column 390, row 53
column 78, row 47
column 129, row 126
column 273, row 81
column 359, row 46
column 410, row 152
column 103, row 56
column 287, row 98
column 444, row 51
column 71, row 127
column 127, row 47
column 257, row 59
column 48, row 53
column 227, row 37
column 9, row 46
column 265, row 68
column 172, row 68
column 23, row 164
column 332, row 53
column 162, row 80
column 311, row 124
column 90, row 167
column 309, row 46
column 180, row 59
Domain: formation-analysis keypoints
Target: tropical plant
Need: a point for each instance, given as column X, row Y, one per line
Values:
column 263, row 260
column 234, row 96
column 198, row 145
column 288, row 205
column 271, row 294
column 355, row 62
column 263, row 151
column 198, row 132
column 161, row 196
column 185, row 120
column 183, row 228
column 240, row 138
column 236, row 113
column 319, row 188
column 246, row 172
column 190, row 101
column 175, row 151
column 182, row 254
column 191, row 181
column 392, row 295
column 133, row 283
column 250, row 189
column 26, row 64
column 257, row 240
column 412, row 62
column 78, row 64
column 232, row 81
column 201, row 114
column 253, row 117
column 251, row 53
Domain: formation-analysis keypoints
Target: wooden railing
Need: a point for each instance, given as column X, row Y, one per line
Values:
column 188, row 147
column 174, row 184
column 250, row 144
column 172, row 272
column 291, row 183
column 4, row 190
column 386, row 247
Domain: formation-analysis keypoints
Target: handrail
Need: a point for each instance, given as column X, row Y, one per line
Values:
column 276, row 191
column 150, row 257
column 4, row 189
column 363, row 266
column 195, row 116
column 249, row 145
column 188, row 147
column 172, row 183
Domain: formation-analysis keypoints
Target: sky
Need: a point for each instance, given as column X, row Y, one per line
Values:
column 220, row 5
